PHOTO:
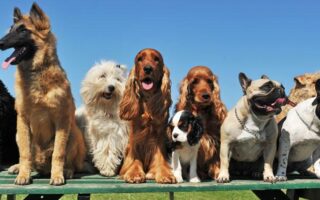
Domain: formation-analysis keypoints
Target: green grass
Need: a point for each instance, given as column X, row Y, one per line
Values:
column 219, row 195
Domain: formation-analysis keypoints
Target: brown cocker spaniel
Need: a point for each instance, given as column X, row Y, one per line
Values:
column 145, row 104
column 200, row 94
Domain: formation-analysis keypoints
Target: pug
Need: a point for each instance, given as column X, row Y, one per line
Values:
column 300, row 137
column 250, row 130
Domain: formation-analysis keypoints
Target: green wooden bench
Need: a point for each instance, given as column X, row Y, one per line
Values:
column 84, row 185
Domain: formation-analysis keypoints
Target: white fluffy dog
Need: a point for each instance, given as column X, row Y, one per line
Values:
column 106, row 134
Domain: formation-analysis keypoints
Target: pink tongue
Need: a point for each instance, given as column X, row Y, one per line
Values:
column 280, row 101
column 6, row 64
column 147, row 86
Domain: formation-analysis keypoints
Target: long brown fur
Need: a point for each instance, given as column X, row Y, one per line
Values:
column 47, row 136
column 147, row 111
column 200, row 80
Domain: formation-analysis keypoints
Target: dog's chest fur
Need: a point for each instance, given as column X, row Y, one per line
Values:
column 187, row 152
column 305, row 134
column 250, row 143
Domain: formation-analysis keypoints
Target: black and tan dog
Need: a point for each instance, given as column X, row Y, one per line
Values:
column 48, row 139
column 250, row 130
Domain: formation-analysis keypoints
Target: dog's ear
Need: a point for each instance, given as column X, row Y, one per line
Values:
column 39, row 18
column 196, row 131
column 16, row 15
column 317, row 88
column 245, row 82
column 130, row 104
column 219, row 108
column 299, row 81
column 264, row 77
column 184, row 95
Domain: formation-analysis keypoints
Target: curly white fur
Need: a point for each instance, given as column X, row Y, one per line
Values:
column 106, row 134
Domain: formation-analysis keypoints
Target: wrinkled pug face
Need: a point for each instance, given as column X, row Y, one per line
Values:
column 265, row 96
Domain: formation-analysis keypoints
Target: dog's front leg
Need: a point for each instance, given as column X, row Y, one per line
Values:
column 59, row 152
column 24, row 144
column 283, row 154
column 176, row 166
column 162, row 167
column 225, row 155
column 269, row 152
column 193, row 169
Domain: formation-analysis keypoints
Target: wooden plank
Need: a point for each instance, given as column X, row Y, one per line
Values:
column 86, row 184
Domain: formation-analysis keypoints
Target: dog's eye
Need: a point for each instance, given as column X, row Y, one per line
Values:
column 119, row 79
column 21, row 29
column 103, row 76
column 139, row 59
column 118, row 66
column 195, row 81
column 156, row 59
column 267, row 87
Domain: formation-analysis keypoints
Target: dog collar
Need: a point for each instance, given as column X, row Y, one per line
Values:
column 244, row 127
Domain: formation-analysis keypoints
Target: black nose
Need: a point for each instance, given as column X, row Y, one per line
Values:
column 206, row 96
column 111, row 88
column 147, row 69
column 175, row 135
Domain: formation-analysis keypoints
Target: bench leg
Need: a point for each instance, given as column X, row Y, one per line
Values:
column 11, row 197
column 83, row 196
column 171, row 195
column 270, row 194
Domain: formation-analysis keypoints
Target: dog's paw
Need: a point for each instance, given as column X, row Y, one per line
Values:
column 281, row 178
column 14, row 169
column 223, row 178
column 22, row 180
column 57, row 180
column 168, row 178
column 269, row 178
column 178, row 178
column 107, row 173
column 150, row 176
column 135, row 177
column 195, row 180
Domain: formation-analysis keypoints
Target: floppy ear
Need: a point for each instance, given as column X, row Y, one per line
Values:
column 16, row 15
column 244, row 82
column 184, row 95
column 162, row 100
column 39, row 18
column 196, row 132
column 264, row 76
column 220, row 109
column 130, row 104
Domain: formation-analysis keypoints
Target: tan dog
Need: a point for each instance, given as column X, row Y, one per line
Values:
column 47, row 135
column 303, row 89
column 250, row 130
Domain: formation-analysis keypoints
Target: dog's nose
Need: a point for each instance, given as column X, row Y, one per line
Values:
column 206, row 96
column 147, row 69
column 111, row 88
column 175, row 135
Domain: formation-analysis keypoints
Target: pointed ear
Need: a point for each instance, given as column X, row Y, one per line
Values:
column 300, row 81
column 264, row 76
column 245, row 82
column 39, row 18
column 16, row 15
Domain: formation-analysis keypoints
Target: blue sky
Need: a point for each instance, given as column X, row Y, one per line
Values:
column 277, row 38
